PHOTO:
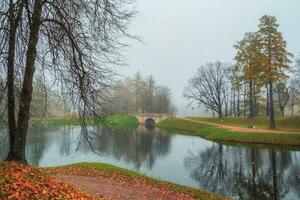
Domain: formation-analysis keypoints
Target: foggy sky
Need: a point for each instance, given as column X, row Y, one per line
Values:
column 182, row 35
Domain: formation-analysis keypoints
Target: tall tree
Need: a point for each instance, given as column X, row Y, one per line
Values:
column 249, row 58
column 150, row 82
column 236, row 79
column 207, row 87
column 69, row 41
column 278, row 57
column 12, row 18
column 162, row 100
column 137, row 88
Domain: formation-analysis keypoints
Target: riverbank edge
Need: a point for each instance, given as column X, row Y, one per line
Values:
column 283, row 124
column 214, row 133
column 117, row 121
column 88, row 169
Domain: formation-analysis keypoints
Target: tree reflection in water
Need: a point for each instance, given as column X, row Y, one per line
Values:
column 256, row 172
column 139, row 147
column 245, row 173
column 40, row 137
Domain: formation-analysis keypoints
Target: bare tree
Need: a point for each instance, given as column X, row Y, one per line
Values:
column 137, row 83
column 71, row 43
column 207, row 87
column 144, row 94
column 294, row 94
column 236, row 81
column 162, row 100
column 150, row 88
column 283, row 96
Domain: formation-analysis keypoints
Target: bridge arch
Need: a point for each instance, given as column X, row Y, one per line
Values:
column 142, row 118
column 149, row 123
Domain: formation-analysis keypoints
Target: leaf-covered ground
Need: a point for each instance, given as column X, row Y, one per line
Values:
column 19, row 182
column 111, row 182
column 87, row 181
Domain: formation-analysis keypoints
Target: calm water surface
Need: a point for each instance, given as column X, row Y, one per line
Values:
column 243, row 172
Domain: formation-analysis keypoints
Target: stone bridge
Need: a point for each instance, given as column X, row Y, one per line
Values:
column 142, row 118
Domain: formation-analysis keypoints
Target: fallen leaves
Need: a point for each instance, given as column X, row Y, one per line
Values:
column 20, row 182
column 113, row 184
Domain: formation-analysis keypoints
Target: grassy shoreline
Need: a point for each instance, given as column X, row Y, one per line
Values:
column 118, row 121
column 285, row 124
column 35, row 182
column 107, row 170
column 211, row 132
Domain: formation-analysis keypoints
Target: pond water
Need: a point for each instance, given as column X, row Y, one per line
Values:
column 242, row 172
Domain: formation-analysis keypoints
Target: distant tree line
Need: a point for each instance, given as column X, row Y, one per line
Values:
column 262, row 81
column 139, row 95
column 46, row 102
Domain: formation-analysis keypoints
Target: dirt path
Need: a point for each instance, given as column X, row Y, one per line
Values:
column 237, row 129
column 113, row 189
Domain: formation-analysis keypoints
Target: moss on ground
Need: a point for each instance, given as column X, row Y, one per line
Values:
column 213, row 133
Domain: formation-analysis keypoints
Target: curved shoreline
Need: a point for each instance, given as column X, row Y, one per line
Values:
column 214, row 132
column 126, row 178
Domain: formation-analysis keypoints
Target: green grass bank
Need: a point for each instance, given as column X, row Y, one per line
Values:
column 120, row 121
column 211, row 132
column 287, row 123
column 107, row 170
column 123, row 121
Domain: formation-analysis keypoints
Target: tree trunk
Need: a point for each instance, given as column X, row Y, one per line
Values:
column 220, row 115
column 267, row 103
column 254, row 101
column 238, row 104
column 10, row 78
column 251, row 107
column 13, row 25
column 271, row 106
column 244, row 99
column 18, row 148
column 282, row 111
column 234, row 103
column 220, row 112
column 226, row 104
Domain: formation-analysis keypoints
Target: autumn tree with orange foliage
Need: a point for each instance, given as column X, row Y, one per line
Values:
column 277, row 61
column 249, row 58
column 264, row 60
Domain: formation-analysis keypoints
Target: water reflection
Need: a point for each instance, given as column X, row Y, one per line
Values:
column 141, row 146
column 253, row 172
column 246, row 173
